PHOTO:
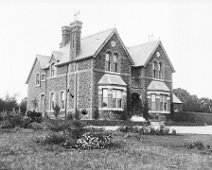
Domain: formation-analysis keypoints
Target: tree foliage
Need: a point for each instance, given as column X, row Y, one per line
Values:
column 192, row 103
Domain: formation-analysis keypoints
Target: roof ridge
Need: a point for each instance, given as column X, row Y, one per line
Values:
column 98, row 33
column 148, row 42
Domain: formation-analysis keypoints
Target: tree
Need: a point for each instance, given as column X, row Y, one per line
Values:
column 192, row 102
column 10, row 103
column 23, row 106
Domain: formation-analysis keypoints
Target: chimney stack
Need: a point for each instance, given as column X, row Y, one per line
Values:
column 75, row 39
column 65, row 36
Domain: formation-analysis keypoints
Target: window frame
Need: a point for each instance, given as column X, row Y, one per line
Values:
column 160, row 70
column 109, row 61
column 51, row 107
column 154, row 68
column 37, row 80
column 53, row 68
column 115, row 63
column 116, row 102
column 62, row 102
column 107, row 98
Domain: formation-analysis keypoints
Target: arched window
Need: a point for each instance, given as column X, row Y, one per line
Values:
column 52, row 101
column 154, row 69
column 108, row 61
column 62, row 99
column 53, row 70
column 160, row 70
column 37, row 79
column 115, row 61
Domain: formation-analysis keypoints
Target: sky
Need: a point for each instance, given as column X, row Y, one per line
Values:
column 33, row 27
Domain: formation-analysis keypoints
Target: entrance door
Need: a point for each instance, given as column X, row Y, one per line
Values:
column 136, row 104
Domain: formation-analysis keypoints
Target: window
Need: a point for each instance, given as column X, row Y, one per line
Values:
column 155, row 69
column 43, row 77
column 115, row 61
column 37, row 80
column 108, row 61
column 62, row 99
column 104, row 97
column 153, row 102
column 163, row 103
column 52, row 101
column 160, row 70
column 117, row 98
column 53, row 70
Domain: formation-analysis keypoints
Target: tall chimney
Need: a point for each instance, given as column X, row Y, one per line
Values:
column 65, row 36
column 75, row 39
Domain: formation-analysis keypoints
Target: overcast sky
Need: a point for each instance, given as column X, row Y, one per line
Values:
column 32, row 27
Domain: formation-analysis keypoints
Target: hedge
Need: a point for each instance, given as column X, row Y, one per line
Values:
column 194, row 117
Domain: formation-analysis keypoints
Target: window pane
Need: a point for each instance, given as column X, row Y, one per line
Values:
column 153, row 97
column 105, row 92
column 107, row 57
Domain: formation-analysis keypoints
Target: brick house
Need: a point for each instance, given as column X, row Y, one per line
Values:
column 99, row 74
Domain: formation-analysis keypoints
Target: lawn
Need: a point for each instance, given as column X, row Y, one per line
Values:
column 18, row 151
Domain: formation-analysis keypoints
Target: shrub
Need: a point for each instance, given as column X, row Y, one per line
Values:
column 6, row 124
column 147, row 130
column 25, row 121
column 11, row 119
column 90, row 141
column 56, row 110
column 35, row 126
column 52, row 138
column 69, row 116
column 196, row 144
column 35, row 116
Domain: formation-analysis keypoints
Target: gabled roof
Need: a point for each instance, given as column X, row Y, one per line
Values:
column 43, row 61
column 110, row 79
column 141, row 54
column 176, row 100
column 91, row 45
column 158, row 85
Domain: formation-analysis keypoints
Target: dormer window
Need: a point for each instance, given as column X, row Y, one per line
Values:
column 37, row 79
column 115, row 61
column 108, row 61
column 53, row 70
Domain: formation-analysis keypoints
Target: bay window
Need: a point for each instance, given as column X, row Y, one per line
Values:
column 104, row 97
column 117, row 98
column 153, row 102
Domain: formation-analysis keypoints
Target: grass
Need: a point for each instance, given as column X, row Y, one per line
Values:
column 17, row 151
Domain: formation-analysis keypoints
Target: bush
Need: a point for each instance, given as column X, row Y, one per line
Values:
column 52, row 138
column 35, row 116
column 147, row 130
column 90, row 141
column 6, row 124
column 35, row 126
column 196, row 144
column 25, row 121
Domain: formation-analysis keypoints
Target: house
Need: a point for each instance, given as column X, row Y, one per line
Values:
column 98, row 76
